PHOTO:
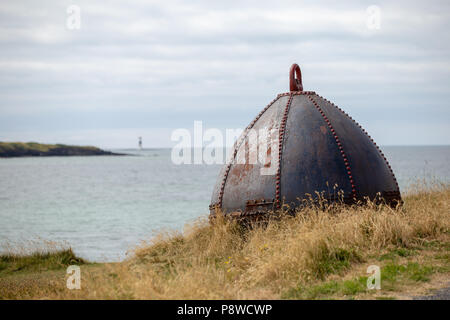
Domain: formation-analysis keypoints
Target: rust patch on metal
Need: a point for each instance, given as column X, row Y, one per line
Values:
column 268, row 157
column 240, row 171
column 323, row 129
column 237, row 146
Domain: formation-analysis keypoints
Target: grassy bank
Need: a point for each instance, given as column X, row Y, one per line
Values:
column 319, row 254
column 34, row 149
column 12, row 264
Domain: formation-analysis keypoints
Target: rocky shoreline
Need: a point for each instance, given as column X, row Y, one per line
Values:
column 33, row 149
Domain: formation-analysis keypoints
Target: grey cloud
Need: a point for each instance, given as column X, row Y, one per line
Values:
column 172, row 62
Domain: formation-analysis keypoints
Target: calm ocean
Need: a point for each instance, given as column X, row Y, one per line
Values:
column 103, row 206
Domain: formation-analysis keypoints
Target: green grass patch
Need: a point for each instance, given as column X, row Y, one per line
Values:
column 392, row 274
column 398, row 252
column 37, row 262
column 444, row 256
column 328, row 289
column 333, row 261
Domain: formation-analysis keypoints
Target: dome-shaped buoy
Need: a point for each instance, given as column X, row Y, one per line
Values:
column 308, row 146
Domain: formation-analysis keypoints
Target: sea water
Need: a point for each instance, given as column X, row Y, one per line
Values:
column 103, row 206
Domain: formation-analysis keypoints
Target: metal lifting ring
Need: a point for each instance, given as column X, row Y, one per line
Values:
column 295, row 78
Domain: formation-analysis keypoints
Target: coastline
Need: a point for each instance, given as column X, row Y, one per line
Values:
column 34, row 149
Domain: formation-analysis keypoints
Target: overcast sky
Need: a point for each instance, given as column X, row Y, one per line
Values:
column 144, row 68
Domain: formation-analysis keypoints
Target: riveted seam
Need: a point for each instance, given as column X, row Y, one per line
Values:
column 339, row 144
column 280, row 149
column 237, row 145
column 367, row 134
column 296, row 93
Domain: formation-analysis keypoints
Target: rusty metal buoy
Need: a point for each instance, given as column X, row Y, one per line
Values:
column 319, row 147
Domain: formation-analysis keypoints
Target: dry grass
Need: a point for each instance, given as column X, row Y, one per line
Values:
column 226, row 261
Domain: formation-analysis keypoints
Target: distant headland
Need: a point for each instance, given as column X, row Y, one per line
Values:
column 34, row 149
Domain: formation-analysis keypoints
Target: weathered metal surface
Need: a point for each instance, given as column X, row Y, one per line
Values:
column 320, row 149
